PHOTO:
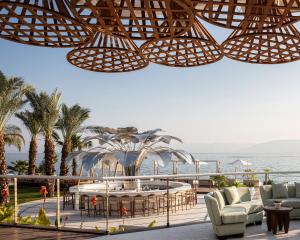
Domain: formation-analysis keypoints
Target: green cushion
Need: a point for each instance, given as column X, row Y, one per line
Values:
column 233, row 215
column 244, row 193
column 280, row 190
column 291, row 202
column 232, row 195
column 253, row 206
column 218, row 195
column 297, row 186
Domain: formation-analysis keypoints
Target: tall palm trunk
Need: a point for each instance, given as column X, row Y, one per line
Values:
column 32, row 155
column 49, row 162
column 66, row 149
column 74, row 167
column 3, row 168
column 49, row 155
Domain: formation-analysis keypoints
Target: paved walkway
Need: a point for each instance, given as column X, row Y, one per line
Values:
column 12, row 233
column 205, row 232
column 74, row 220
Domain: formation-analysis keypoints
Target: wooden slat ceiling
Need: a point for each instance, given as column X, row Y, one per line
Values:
column 230, row 13
column 104, row 33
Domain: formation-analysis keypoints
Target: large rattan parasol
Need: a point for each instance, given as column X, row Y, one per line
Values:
column 269, row 46
column 43, row 23
column 107, row 53
column 143, row 19
column 230, row 13
column 194, row 48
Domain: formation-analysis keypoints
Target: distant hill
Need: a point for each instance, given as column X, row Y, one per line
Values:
column 277, row 146
column 212, row 147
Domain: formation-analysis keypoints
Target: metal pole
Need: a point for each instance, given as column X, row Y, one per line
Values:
column 57, row 202
column 168, row 204
column 107, row 203
column 15, row 200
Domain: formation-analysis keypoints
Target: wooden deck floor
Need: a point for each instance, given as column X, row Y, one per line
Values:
column 13, row 233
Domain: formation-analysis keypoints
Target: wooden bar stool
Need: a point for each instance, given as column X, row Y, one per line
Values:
column 126, row 202
column 68, row 199
column 114, row 205
column 139, row 205
column 84, row 204
column 152, row 204
column 100, row 205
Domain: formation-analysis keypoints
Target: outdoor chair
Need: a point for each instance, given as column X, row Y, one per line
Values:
column 85, row 205
column 126, row 202
column 68, row 199
column 139, row 205
column 152, row 204
column 114, row 205
column 100, row 205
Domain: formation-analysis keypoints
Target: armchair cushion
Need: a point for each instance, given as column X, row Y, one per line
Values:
column 232, row 195
column 280, row 190
column 219, row 196
column 253, row 206
column 291, row 202
column 297, row 186
column 234, row 214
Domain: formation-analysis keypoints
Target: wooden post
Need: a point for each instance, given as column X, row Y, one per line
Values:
column 15, row 200
column 107, row 207
column 168, row 204
column 57, row 202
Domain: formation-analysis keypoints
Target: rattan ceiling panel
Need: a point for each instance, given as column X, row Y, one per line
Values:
column 41, row 23
column 230, row 13
column 145, row 19
column 271, row 46
column 194, row 48
column 107, row 53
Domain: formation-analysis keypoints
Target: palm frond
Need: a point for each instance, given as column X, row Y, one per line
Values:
column 13, row 136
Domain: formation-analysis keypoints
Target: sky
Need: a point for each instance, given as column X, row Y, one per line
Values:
column 224, row 102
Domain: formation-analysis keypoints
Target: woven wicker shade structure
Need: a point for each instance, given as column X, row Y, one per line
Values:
column 107, row 53
column 144, row 19
column 194, row 48
column 270, row 46
column 47, row 23
column 230, row 13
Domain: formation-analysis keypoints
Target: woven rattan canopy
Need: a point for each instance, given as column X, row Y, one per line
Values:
column 105, row 34
column 138, row 19
column 107, row 53
column 42, row 23
column 194, row 48
column 230, row 13
column 269, row 46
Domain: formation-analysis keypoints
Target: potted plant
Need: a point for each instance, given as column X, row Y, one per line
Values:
column 250, row 179
column 267, row 180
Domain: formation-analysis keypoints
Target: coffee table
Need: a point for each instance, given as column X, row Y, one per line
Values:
column 278, row 218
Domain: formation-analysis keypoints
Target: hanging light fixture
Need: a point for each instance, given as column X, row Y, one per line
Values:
column 107, row 53
column 267, row 13
column 136, row 19
column 269, row 46
column 42, row 23
column 194, row 48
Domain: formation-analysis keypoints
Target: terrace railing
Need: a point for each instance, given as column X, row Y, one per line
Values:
column 27, row 206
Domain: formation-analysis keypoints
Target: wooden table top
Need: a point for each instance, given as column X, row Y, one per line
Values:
column 277, row 210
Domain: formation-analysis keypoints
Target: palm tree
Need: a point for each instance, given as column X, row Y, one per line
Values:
column 19, row 166
column 12, row 98
column 13, row 136
column 46, row 108
column 31, row 122
column 78, row 144
column 70, row 123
